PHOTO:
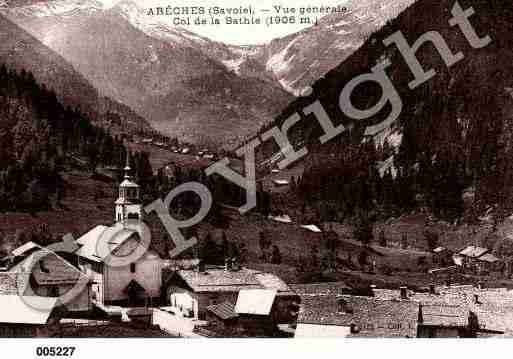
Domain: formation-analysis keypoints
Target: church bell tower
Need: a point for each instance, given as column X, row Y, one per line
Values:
column 128, row 204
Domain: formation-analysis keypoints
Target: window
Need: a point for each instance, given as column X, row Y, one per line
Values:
column 132, row 267
column 344, row 307
column 53, row 291
column 133, row 216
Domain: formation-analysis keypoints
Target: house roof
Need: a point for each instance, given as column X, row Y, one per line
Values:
column 255, row 301
column 281, row 182
column 13, row 283
column 439, row 249
column 444, row 315
column 22, row 250
column 270, row 281
column 473, row 252
column 488, row 257
column 282, row 219
column 372, row 317
column 311, row 228
column 493, row 307
column 330, row 288
column 218, row 280
column 46, row 267
column 17, row 311
column 225, row 310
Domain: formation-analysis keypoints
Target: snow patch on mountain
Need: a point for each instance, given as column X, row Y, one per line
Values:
column 234, row 64
column 57, row 8
column 279, row 62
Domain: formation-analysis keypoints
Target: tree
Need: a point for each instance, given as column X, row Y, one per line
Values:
column 225, row 246
column 404, row 241
column 210, row 251
column 276, row 255
column 314, row 257
column 363, row 229
column 331, row 243
column 265, row 243
column 432, row 239
column 363, row 259
column 382, row 238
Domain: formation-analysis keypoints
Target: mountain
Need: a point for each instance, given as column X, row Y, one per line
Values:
column 455, row 131
column 171, row 82
column 173, row 77
column 295, row 61
column 20, row 50
column 298, row 60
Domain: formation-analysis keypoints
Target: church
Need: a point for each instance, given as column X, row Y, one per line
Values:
column 134, row 283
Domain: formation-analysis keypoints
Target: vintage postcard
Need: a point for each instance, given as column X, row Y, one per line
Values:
column 255, row 169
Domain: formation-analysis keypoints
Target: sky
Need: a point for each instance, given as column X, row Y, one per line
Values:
column 239, row 34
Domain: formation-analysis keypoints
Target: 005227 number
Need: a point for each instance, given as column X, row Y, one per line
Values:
column 55, row 351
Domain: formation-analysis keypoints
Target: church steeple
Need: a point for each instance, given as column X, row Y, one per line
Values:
column 128, row 204
column 127, row 168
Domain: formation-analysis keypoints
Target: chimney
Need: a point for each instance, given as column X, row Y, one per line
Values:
column 201, row 266
column 372, row 289
column 235, row 264
column 432, row 289
column 404, row 292
column 227, row 264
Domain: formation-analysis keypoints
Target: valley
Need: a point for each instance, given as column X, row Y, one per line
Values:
column 439, row 177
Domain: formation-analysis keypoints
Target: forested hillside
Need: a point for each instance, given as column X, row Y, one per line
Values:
column 38, row 137
column 455, row 130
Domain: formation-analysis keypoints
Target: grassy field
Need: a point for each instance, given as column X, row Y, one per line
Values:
column 90, row 201
column 87, row 203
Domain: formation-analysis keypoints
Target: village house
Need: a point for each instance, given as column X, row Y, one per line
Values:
column 467, row 258
column 37, row 271
column 135, row 284
column 488, row 263
column 442, row 257
column 257, row 313
column 192, row 291
column 458, row 311
column 331, row 315
column 20, row 320
column 443, row 321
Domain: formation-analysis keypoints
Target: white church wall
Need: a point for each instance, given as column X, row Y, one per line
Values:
column 147, row 273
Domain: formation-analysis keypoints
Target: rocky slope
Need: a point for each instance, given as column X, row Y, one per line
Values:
column 20, row 50
column 166, row 78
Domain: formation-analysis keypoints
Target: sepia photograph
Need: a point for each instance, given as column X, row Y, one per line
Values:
column 303, row 169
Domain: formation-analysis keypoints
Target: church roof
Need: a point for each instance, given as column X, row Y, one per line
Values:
column 89, row 241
